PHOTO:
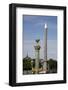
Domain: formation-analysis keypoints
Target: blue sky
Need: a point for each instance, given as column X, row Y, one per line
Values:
column 34, row 29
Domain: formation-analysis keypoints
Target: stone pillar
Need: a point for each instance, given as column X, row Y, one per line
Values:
column 45, row 50
column 37, row 54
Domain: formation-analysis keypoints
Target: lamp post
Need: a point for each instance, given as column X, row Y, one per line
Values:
column 45, row 49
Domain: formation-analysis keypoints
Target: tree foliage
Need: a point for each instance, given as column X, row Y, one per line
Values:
column 27, row 64
column 52, row 65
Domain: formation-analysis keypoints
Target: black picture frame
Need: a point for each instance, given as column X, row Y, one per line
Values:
column 12, row 44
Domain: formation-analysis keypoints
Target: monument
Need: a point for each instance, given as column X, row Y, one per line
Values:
column 37, row 55
column 45, row 49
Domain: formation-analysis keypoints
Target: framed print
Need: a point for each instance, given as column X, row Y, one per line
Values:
column 37, row 44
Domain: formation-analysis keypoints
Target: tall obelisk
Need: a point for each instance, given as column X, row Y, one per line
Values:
column 45, row 49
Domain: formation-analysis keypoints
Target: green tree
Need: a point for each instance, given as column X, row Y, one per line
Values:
column 52, row 65
column 27, row 64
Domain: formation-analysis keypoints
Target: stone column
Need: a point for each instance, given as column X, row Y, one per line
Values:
column 37, row 54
